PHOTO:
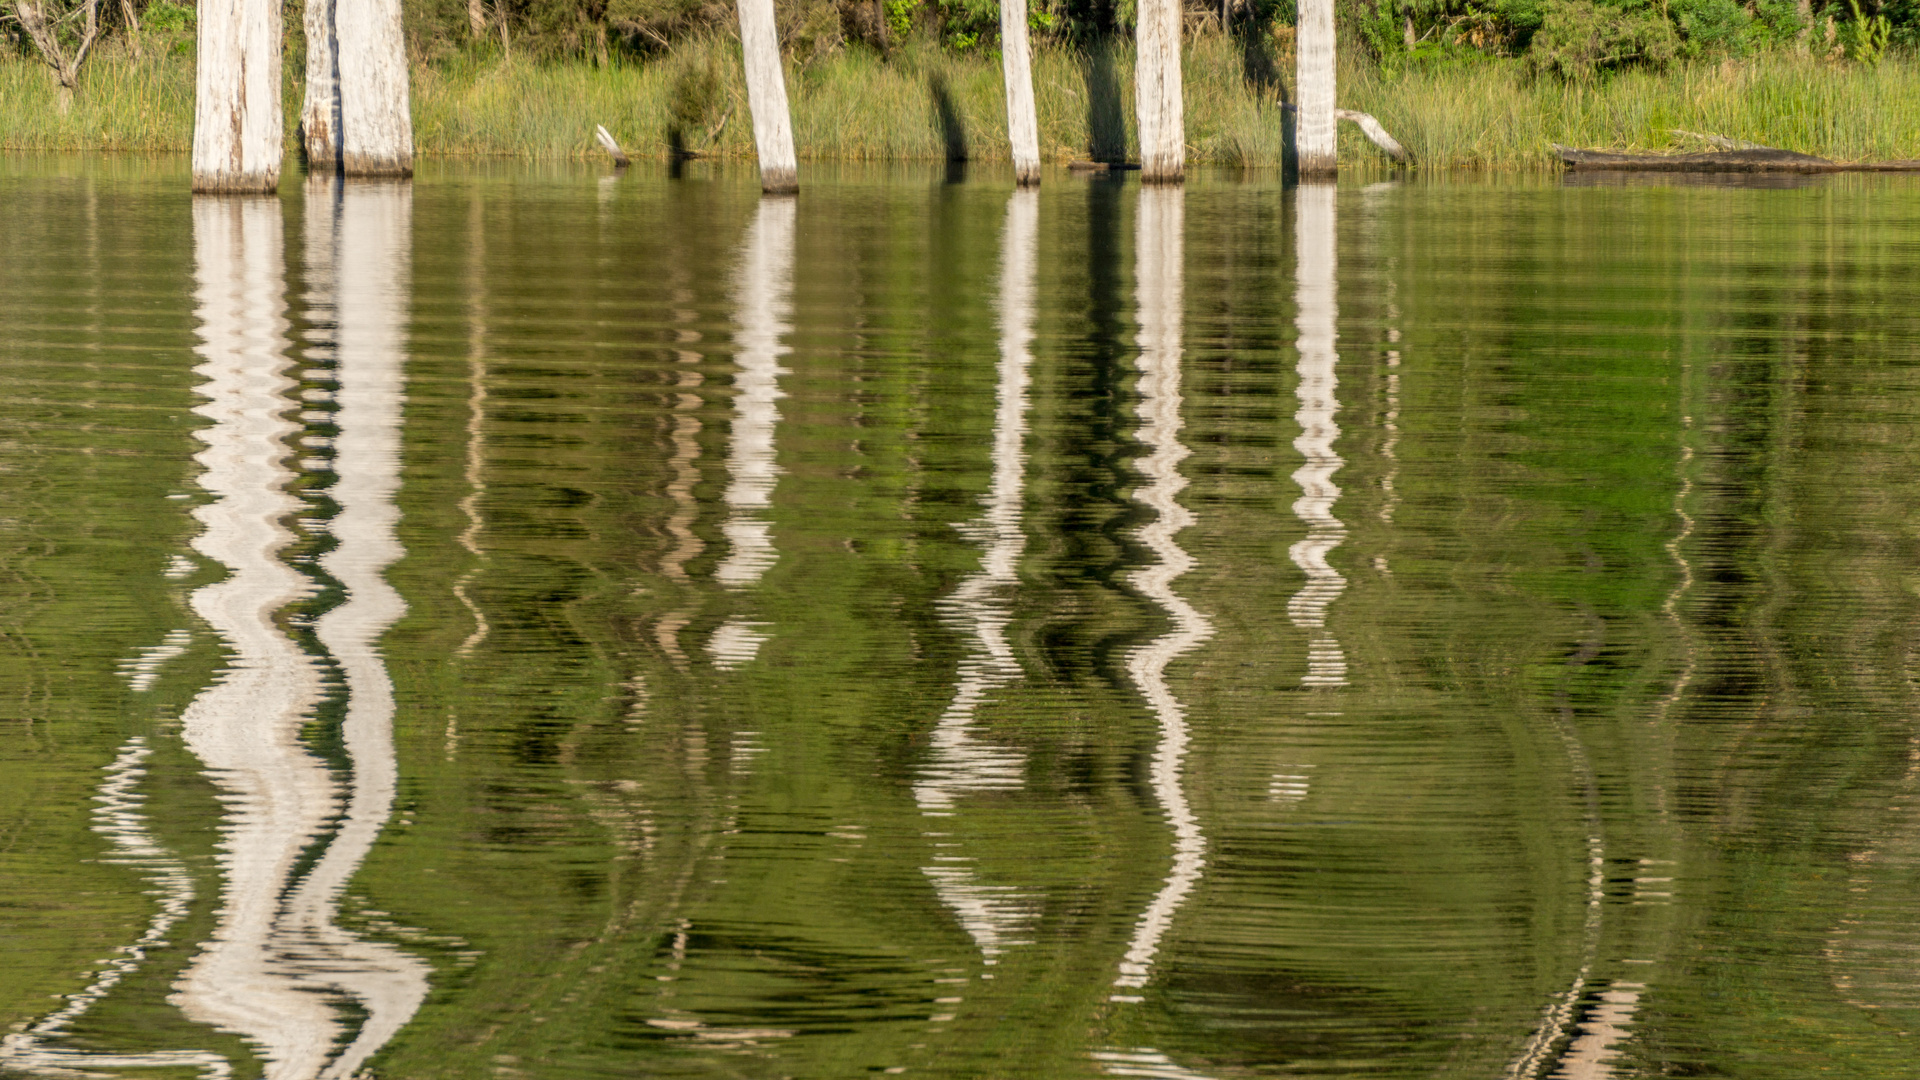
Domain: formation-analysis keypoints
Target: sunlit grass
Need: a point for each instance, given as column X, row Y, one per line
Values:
column 924, row 103
column 1494, row 115
column 122, row 103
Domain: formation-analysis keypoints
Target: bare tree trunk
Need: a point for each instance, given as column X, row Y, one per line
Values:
column 1314, row 137
column 767, row 98
column 376, row 128
column 1157, row 98
column 237, row 125
column 1023, row 126
column 42, row 26
column 320, row 116
column 477, row 18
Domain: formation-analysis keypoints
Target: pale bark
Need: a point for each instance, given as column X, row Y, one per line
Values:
column 767, row 98
column 1157, row 97
column 320, row 115
column 42, row 26
column 1375, row 133
column 376, row 129
column 1023, row 125
column 1314, row 138
column 477, row 18
column 237, row 125
column 607, row 142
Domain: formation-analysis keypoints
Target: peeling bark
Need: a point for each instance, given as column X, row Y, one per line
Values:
column 1157, row 93
column 320, row 116
column 1314, row 136
column 767, row 98
column 1023, row 125
column 376, row 127
column 237, row 126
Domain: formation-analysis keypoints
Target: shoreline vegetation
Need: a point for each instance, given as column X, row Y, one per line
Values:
column 922, row 101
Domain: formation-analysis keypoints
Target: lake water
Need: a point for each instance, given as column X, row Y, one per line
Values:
column 532, row 623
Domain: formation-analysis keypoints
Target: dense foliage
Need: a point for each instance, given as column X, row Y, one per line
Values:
column 1566, row 38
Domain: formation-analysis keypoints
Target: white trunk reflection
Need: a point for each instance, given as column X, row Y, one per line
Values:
column 994, row 915
column 374, row 238
column 245, row 727
column 1159, row 261
column 1315, row 248
column 764, row 291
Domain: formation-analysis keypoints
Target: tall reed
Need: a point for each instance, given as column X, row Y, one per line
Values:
column 925, row 103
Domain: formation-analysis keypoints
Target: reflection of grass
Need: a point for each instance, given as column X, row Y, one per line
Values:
column 920, row 102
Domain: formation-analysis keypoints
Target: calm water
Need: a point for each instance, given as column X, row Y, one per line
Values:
column 536, row 624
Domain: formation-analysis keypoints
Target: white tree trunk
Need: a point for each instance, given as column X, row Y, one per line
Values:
column 1023, row 126
column 320, row 116
column 1314, row 139
column 1156, row 77
column 767, row 98
column 237, row 125
column 376, row 129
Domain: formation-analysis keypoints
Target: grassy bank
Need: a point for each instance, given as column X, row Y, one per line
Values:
column 925, row 103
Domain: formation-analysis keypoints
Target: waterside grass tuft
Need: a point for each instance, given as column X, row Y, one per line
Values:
column 926, row 103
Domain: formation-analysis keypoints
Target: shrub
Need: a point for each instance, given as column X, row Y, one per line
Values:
column 1711, row 27
column 1578, row 39
column 168, row 17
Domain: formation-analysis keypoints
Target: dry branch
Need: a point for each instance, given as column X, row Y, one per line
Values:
column 43, row 28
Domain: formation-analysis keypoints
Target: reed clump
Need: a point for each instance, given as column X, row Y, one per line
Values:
column 924, row 102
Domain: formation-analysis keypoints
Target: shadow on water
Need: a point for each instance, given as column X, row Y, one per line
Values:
column 953, row 130
column 1106, row 114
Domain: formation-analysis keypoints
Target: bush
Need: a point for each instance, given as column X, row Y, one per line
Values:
column 168, row 17
column 1578, row 39
column 1712, row 27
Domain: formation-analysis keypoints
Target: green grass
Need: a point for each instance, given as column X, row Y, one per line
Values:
column 1493, row 115
column 852, row 105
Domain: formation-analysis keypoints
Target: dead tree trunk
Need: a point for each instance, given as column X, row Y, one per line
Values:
column 1157, row 97
column 320, row 115
column 236, row 110
column 376, row 128
column 767, row 98
column 1016, row 66
column 1314, row 135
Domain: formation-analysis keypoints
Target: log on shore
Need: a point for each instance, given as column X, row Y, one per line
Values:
column 1755, row 160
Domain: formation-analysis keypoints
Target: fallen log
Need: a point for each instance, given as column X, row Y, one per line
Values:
column 612, row 147
column 1371, row 128
column 1756, row 160
column 1375, row 133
